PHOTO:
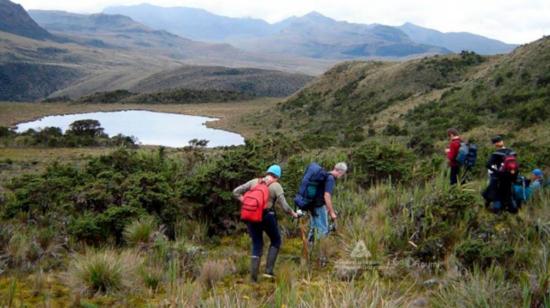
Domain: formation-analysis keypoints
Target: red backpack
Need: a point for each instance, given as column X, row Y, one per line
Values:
column 510, row 164
column 254, row 202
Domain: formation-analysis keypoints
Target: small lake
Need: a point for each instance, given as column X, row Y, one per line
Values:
column 150, row 128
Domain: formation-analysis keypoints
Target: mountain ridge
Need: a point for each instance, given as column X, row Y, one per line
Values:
column 14, row 19
column 270, row 34
column 456, row 41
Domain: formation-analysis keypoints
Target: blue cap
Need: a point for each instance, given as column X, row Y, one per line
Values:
column 538, row 172
column 275, row 170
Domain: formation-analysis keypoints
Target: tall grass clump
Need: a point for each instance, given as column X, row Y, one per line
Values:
column 371, row 293
column 213, row 271
column 102, row 272
column 477, row 289
column 140, row 232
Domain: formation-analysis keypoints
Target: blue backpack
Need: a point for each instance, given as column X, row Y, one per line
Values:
column 522, row 192
column 467, row 155
column 308, row 193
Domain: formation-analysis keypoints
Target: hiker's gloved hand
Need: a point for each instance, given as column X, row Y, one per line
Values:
column 299, row 214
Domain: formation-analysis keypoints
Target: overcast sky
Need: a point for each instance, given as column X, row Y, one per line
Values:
column 512, row 21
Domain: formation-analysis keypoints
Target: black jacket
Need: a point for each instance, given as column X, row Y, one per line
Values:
column 497, row 158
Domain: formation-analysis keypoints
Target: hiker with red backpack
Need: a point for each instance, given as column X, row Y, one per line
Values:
column 460, row 156
column 258, row 198
column 452, row 154
column 503, row 171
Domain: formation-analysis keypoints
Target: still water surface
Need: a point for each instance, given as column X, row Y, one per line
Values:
column 150, row 128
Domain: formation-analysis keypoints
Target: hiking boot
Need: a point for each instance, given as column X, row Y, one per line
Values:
column 270, row 263
column 254, row 268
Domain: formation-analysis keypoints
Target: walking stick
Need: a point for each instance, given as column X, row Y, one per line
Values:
column 305, row 252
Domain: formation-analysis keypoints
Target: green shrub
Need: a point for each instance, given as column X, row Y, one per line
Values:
column 477, row 252
column 433, row 220
column 375, row 162
column 87, row 228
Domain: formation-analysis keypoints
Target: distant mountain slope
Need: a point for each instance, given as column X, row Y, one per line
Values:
column 117, row 31
column 123, row 33
column 69, row 22
column 317, row 36
column 243, row 80
column 456, row 41
column 193, row 23
column 312, row 35
column 14, row 19
column 422, row 98
column 32, row 70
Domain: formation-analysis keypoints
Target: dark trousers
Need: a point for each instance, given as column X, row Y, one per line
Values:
column 271, row 228
column 455, row 172
column 500, row 194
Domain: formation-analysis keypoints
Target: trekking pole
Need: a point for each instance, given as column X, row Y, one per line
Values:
column 305, row 252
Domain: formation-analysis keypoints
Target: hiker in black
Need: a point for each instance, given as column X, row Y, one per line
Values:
column 499, row 193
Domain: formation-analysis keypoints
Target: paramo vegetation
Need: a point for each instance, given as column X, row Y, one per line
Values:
column 160, row 226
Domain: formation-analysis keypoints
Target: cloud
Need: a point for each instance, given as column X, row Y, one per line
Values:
column 513, row 21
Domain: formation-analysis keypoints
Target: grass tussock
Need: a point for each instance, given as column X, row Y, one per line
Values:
column 477, row 289
column 141, row 231
column 103, row 272
column 213, row 271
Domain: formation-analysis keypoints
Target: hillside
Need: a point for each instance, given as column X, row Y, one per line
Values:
column 245, row 80
column 422, row 98
column 14, row 19
column 456, row 41
column 28, row 82
column 50, row 69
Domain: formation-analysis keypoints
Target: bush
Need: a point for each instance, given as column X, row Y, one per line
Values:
column 431, row 221
column 375, row 162
column 483, row 254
